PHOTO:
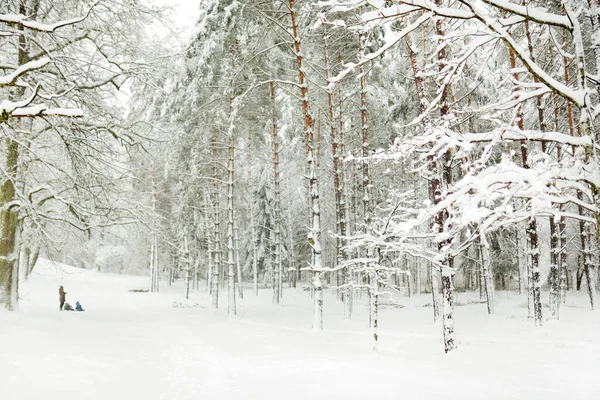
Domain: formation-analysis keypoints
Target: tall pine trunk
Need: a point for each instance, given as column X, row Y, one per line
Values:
column 314, row 232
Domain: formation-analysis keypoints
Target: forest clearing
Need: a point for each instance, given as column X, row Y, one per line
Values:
column 139, row 345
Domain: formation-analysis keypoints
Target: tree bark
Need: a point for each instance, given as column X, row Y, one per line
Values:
column 277, row 268
column 488, row 275
column 314, row 232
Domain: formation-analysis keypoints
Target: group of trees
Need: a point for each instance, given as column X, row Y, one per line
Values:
column 363, row 146
column 64, row 167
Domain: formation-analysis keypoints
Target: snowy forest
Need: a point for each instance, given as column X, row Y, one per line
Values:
column 353, row 156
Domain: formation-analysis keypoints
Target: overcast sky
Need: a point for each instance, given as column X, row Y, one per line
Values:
column 186, row 12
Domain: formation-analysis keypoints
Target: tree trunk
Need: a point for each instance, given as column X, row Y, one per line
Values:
column 217, row 232
column 231, row 306
column 237, row 261
column 209, row 244
column 521, row 259
column 488, row 274
column 187, row 264
column 418, row 277
column 294, row 275
column 344, row 212
column 433, row 274
column 34, row 259
column 8, row 224
column 277, row 268
column 314, row 232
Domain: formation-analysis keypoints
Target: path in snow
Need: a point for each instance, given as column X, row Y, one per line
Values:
column 136, row 345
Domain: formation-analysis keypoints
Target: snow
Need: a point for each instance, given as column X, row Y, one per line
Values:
column 42, row 109
column 30, row 66
column 24, row 20
column 150, row 346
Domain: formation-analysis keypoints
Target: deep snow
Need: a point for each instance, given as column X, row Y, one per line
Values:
column 130, row 345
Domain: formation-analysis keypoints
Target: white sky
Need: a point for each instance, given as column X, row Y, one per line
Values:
column 186, row 13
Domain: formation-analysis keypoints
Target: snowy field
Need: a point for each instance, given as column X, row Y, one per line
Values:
column 130, row 345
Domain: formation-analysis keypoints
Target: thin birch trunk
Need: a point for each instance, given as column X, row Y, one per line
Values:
column 366, row 197
column 254, row 249
column 231, row 306
column 374, row 306
column 554, row 273
column 521, row 260
column 487, row 272
column 436, row 190
column 217, row 231
column 531, row 228
column 335, row 150
column 277, row 268
column 561, row 255
column 418, row 277
column 209, row 244
column 344, row 225
column 435, row 288
column 292, row 270
column 237, row 261
column 187, row 264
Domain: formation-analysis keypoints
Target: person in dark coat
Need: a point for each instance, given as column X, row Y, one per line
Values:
column 61, row 296
column 78, row 307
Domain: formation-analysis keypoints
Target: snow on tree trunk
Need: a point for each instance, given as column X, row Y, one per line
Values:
column 531, row 228
column 237, row 261
column 338, row 184
column 433, row 275
column 487, row 273
column 448, row 310
column 187, row 264
column 554, row 274
column 277, row 268
column 209, row 244
column 418, row 276
column 344, row 207
column 588, row 260
column 436, row 190
column 314, row 232
column 154, row 268
column 25, row 260
column 14, row 288
column 586, row 109
column 291, row 258
column 254, row 250
column 374, row 306
column 562, row 228
column 366, row 197
column 522, row 263
column 536, row 284
column 554, row 278
column 231, row 306
column 217, row 231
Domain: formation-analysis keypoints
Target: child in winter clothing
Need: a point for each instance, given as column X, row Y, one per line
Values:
column 78, row 306
column 61, row 296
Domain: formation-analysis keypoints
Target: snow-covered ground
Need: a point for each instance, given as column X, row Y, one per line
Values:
column 131, row 345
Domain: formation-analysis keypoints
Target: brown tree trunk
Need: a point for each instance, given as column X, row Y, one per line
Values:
column 314, row 232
